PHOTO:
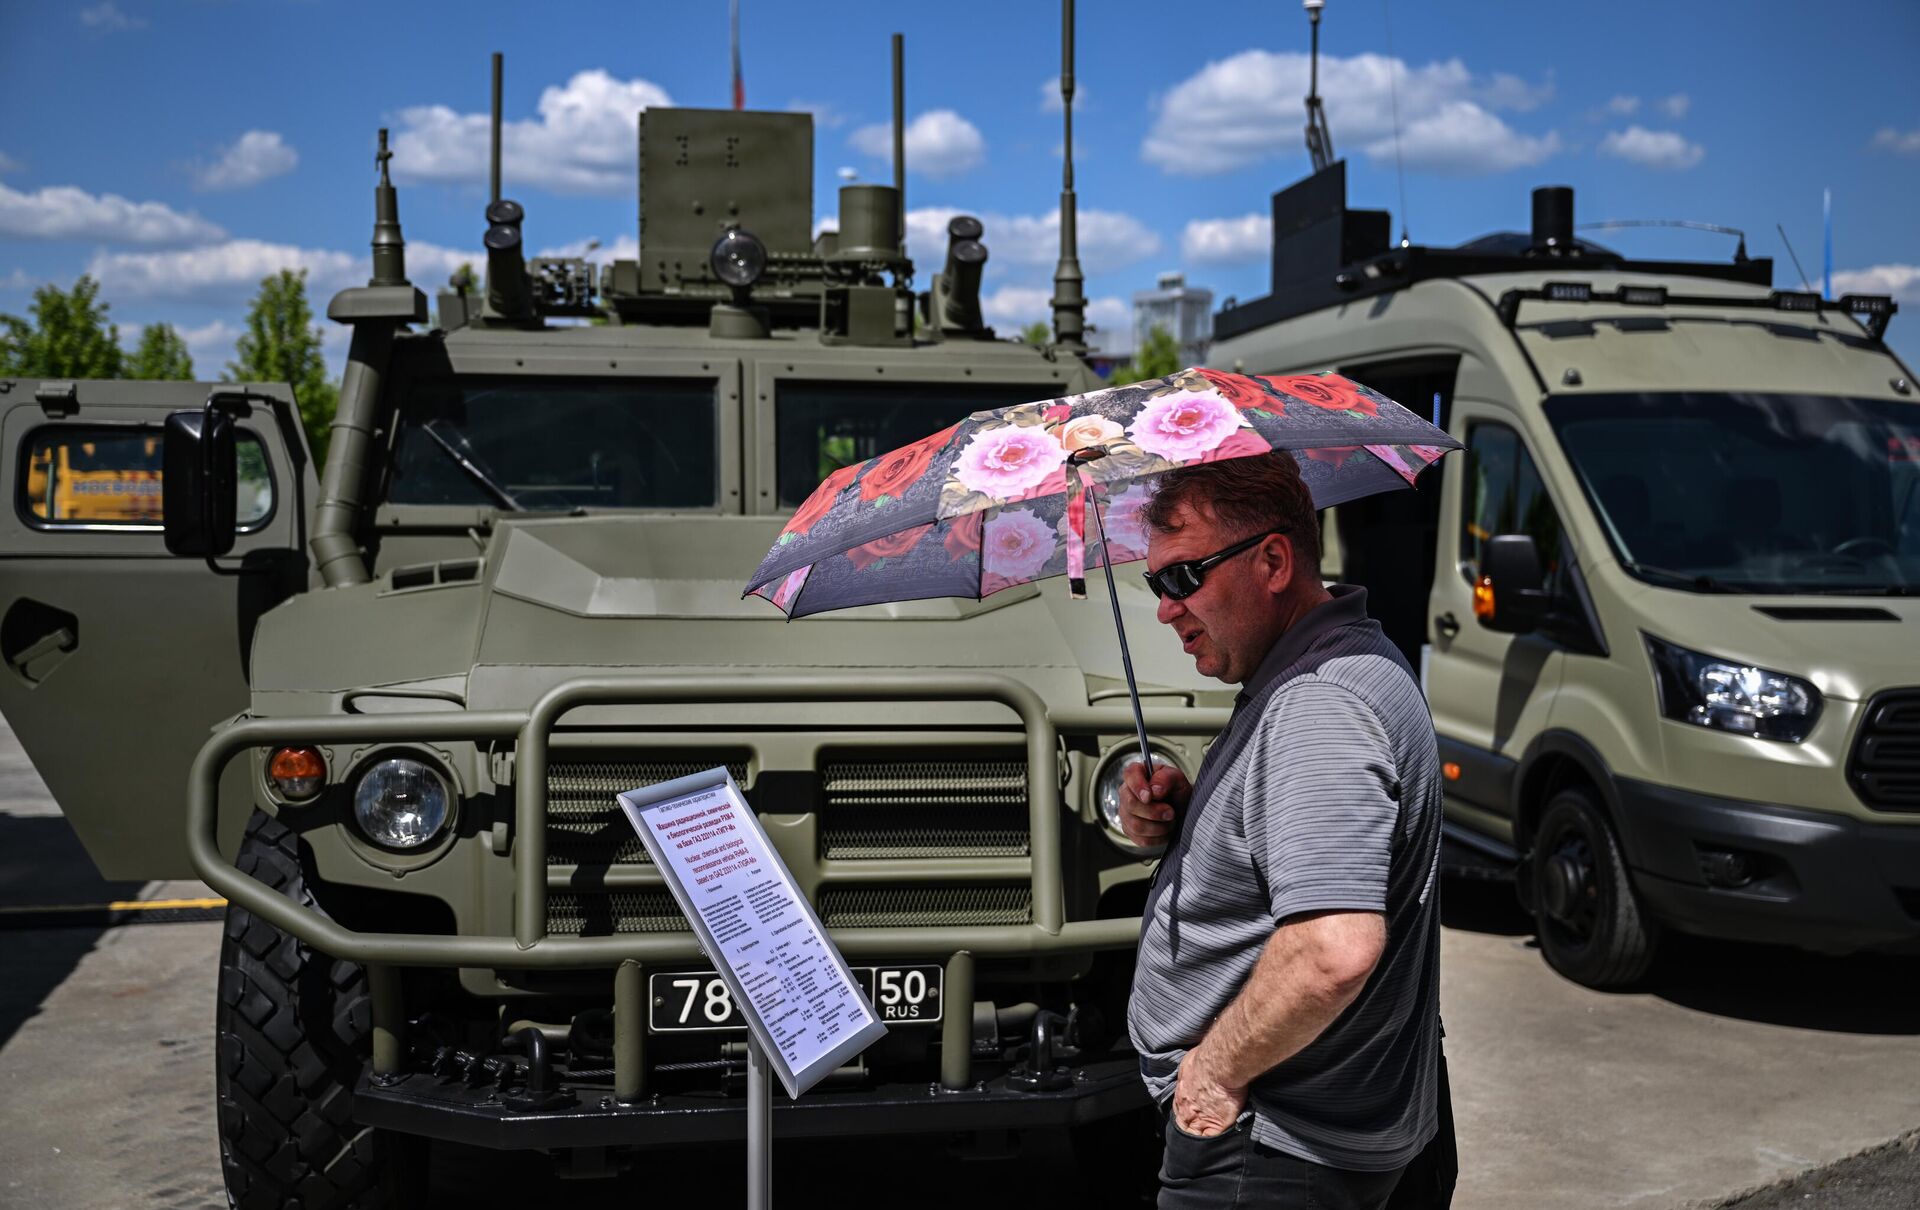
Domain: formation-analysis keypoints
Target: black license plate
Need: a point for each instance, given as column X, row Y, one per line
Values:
column 692, row 1001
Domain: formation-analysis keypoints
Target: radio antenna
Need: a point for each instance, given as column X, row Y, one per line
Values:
column 1804, row 283
column 496, row 128
column 1393, row 92
column 1069, row 296
column 1319, row 138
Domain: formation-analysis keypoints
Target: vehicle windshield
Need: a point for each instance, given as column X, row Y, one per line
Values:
column 1752, row 493
column 559, row 444
column 824, row 426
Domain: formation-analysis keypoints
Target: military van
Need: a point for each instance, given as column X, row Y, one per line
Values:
column 385, row 711
column 1666, row 606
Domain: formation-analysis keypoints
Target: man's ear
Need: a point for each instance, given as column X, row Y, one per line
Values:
column 1278, row 551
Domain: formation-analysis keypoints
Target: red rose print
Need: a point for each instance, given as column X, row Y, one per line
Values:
column 1243, row 443
column 815, row 506
column 891, row 474
column 1057, row 413
column 1335, row 454
column 1328, row 391
column 1242, row 392
column 891, row 546
column 963, row 535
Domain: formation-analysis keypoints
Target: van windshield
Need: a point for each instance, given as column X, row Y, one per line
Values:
column 1752, row 493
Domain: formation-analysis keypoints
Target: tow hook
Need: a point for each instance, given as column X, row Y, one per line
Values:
column 539, row 1091
column 1038, row 1072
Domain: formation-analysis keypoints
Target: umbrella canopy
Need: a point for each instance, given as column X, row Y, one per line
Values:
column 1001, row 498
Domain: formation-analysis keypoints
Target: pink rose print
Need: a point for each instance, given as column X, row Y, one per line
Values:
column 1126, row 526
column 1006, row 462
column 1015, row 546
column 790, row 587
column 1180, row 428
column 1089, row 431
column 1056, row 412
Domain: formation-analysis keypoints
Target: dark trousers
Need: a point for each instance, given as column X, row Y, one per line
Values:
column 1232, row 1170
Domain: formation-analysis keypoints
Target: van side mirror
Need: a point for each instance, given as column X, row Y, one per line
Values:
column 199, row 482
column 1508, row 597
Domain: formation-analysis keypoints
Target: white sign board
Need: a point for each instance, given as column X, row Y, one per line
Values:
column 802, row 1003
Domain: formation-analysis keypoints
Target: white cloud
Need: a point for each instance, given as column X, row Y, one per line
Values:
column 1901, row 281
column 19, row 279
column 939, row 143
column 1675, row 106
column 1624, row 106
column 1652, row 148
column 1050, row 96
column 255, row 156
column 1900, row 142
column 220, row 270
column 582, row 142
column 1227, row 241
column 107, row 18
column 826, row 115
column 8, row 163
column 1239, row 110
column 1462, row 139
column 63, row 212
column 1108, row 240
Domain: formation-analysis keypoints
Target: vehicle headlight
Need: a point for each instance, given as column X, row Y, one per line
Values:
column 1106, row 791
column 400, row 803
column 1730, row 696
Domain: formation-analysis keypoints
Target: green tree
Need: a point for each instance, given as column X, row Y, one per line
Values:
column 69, row 336
column 1157, row 358
column 161, row 357
column 1037, row 333
column 281, row 344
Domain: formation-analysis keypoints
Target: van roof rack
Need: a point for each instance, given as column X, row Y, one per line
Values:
column 1325, row 254
column 1874, row 311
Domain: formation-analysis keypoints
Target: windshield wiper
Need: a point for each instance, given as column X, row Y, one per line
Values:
column 469, row 462
column 1685, row 579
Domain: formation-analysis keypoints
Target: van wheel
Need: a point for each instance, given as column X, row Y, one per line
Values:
column 1589, row 922
column 293, row 1030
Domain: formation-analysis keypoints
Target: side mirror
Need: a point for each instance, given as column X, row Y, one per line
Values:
column 1508, row 597
column 199, row 482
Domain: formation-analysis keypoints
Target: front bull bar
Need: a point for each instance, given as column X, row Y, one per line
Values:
column 530, row 947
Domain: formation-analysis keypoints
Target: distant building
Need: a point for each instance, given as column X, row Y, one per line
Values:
column 1185, row 311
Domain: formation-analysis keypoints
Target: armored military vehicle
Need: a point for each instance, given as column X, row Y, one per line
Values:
column 1666, row 607
column 385, row 711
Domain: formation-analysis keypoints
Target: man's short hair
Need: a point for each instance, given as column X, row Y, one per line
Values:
column 1244, row 496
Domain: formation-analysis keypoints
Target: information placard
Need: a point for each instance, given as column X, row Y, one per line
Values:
column 801, row 1001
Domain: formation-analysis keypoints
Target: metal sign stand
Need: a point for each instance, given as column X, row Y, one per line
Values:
column 759, row 1128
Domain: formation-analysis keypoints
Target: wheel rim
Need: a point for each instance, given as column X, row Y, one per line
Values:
column 1570, row 892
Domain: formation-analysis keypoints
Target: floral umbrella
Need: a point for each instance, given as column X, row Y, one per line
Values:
column 1000, row 498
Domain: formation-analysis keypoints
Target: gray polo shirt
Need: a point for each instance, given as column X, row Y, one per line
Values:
column 1323, row 794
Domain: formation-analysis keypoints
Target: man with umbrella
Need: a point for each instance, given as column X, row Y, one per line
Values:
column 1286, row 999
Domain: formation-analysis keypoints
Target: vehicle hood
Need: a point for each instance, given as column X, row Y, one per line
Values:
column 562, row 597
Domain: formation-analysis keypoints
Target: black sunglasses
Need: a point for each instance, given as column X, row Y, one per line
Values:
column 1181, row 580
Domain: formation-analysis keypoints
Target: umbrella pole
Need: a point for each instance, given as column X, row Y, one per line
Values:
column 1126, row 657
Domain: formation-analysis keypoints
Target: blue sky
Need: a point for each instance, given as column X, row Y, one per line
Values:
column 180, row 151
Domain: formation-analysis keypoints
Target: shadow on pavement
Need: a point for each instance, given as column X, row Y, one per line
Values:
column 42, row 863
column 1772, row 985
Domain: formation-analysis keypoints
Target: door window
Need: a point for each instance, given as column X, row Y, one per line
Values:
column 109, row 476
column 1505, row 495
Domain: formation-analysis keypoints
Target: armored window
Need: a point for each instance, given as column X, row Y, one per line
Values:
column 109, row 476
column 1505, row 495
column 823, row 426
column 550, row 444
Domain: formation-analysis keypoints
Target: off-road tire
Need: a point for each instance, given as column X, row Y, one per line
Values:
column 293, row 1032
column 1619, row 943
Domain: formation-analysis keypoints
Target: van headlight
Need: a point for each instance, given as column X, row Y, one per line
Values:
column 400, row 803
column 1729, row 696
column 1107, row 783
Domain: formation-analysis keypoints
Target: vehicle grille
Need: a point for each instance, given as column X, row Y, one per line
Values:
column 585, row 825
column 1885, row 768
column 877, row 809
column 925, row 906
column 605, row 913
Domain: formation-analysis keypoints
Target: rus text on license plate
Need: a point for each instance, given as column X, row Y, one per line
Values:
column 699, row 1000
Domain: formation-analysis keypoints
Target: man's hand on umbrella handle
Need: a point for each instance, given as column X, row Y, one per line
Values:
column 1146, row 812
